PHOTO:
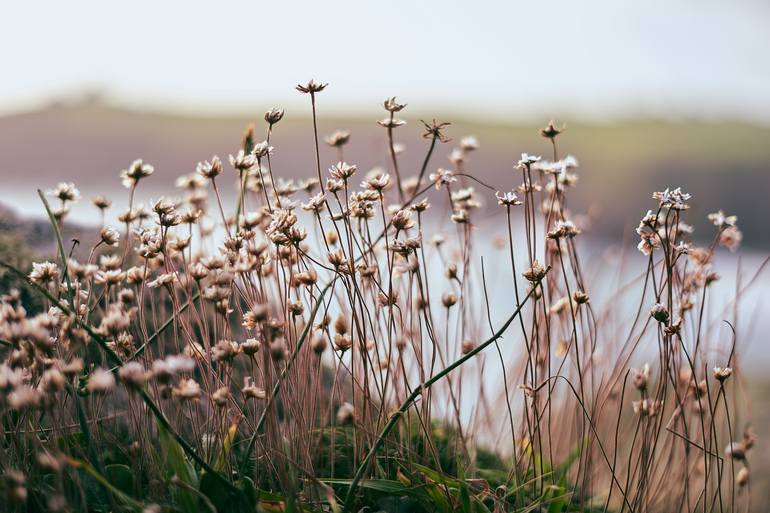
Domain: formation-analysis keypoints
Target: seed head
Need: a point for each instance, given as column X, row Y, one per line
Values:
column 109, row 236
column 208, row 169
column 274, row 115
column 391, row 105
column 551, row 130
column 435, row 130
column 101, row 202
column 100, row 381
column 346, row 414
column 535, row 273
column 338, row 139
column 65, row 191
column 242, row 161
column 508, row 199
column 660, row 313
column 135, row 172
column 448, row 299
column 311, row 87
column 722, row 373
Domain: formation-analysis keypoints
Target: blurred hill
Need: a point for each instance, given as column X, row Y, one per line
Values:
column 724, row 165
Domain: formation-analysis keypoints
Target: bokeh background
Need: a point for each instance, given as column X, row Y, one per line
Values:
column 654, row 94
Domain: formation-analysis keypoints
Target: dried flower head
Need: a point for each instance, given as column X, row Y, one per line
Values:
column 209, row 169
column 659, row 312
column 274, row 115
column 435, row 130
column 338, row 138
column 311, row 87
column 135, row 172
column 535, row 273
column 109, row 236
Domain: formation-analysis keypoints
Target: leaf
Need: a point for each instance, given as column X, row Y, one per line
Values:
column 124, row 498
column 215, row 490
column 177, row 465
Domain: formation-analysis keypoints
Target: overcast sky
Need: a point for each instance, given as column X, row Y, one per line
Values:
column 609, row 58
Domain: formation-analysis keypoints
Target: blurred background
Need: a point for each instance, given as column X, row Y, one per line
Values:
column 654, row 94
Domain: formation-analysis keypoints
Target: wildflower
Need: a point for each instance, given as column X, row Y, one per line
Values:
column 338, row 261
column 346, row 414
column 563, row 229
column 448, row 299
column 469, row 143
column 210, row 169
column 23, row 397
column 730, row 238
column 391, row 122
column 109, row 236
column 100, row 381
column 508, row 199
column 551, row 130
column 44, row 273
column 133, row 375
column 402, row 220
column 719, row 219
column 391, row 105
column 262, row 149
column 243, row 161
column 647, row 245
column 456, row 156
column 338, row 138
column 377, row 183
column 319, row 343
column 389, row 299
column 535, row 273
column 187, row 389
column 166, row 280
column 251, row 391
column 675, row 199
column 164, row 370
column 641, row 377
column 225, row 351
column 342, row 342
column 526, row 161
column 312, row 87
column 342, row 171
column 647, row 407
column 580, row 297
column 722, row 373
column 114, row 322
column 460, row 216
column 101, row 202
column 660, row 313
column 251, row 346
column 435, row 130
column 221, row 396
column 65, row 191
column 274, row 115
column 442, row 177
column 135, row 172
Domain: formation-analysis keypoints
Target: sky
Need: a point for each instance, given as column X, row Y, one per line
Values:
column 498, row 60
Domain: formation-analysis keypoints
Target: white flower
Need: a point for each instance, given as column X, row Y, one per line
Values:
column 507, row 198
column 442, row 177
column 135, row 172
column 65, row 191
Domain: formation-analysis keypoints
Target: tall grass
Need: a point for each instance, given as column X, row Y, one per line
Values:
column 332, row 343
